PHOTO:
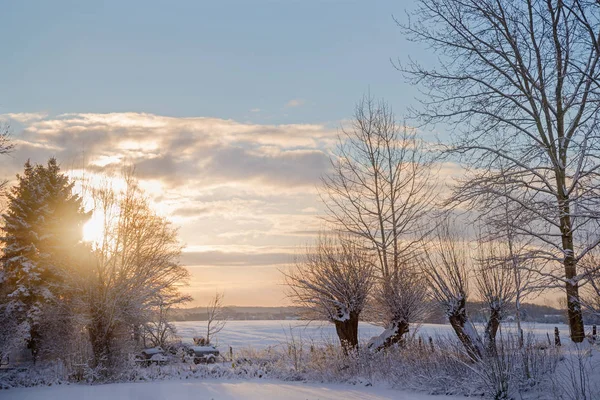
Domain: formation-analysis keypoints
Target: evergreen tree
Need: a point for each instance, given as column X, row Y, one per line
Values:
column 42, row 227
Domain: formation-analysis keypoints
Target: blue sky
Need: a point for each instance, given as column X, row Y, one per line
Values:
column 241, row 60
column 228, row 110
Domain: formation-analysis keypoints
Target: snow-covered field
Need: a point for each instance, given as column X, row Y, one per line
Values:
column 274, row 375
column 261, row 334
column 212, row 390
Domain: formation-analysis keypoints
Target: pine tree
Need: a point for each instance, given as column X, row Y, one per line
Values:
column 42, row 227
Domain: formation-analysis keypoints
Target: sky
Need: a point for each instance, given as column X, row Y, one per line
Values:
column 227, row 109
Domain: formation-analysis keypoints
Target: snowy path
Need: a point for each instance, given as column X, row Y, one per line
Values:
column 212, row 390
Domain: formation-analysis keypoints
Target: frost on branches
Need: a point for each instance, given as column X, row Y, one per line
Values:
column 398, row 301
column 136, row 277
column 332, row 281
column 380, row 192
column 41, row 229
column 445, row 265
column 517, row 84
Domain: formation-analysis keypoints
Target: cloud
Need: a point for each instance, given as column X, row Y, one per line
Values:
column 180, row 150
column 294, row 103
column 278, row 167
column 23, row 117
column 224, row 258
column 243, row 195
column 236, row 191
column 255, row 110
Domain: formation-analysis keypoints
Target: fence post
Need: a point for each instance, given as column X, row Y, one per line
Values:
column 556, row 337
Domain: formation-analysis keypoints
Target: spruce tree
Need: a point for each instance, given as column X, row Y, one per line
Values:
column 42, row 227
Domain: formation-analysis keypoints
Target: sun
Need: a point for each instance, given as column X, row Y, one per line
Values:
column 93, row 230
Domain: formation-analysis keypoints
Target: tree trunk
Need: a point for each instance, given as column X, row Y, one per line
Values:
column 518, row 319
column 390, row 336
column 347, row 332
column 465, row 331
column 100, row 338
column 570, row 264
column 137, row 336
column 491, row 329
column 574, row 311
column 33, row 343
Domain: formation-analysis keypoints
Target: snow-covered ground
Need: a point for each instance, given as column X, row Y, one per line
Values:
column 240, row 380
column 212, row 390
column 261, row 334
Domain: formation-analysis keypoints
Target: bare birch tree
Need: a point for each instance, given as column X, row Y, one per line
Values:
column 380, row 192
column 518, row 85
column 332, row 281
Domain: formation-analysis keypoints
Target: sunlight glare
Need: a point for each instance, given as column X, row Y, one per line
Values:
column 93, row 230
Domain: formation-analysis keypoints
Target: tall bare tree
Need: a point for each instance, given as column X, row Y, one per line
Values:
column 518, row 83
column 332, row 281
column 380, row 192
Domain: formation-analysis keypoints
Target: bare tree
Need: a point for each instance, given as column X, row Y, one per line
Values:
column 446, row 264
column 399, row 301
column 332, row 281
column 6, row 146
column 513, row 251
column 380, row 192
column 135, row 263
column 158, row 330
column 216, row 319
column 591, row 294
column 528, row 274
column 495, row 285
column 518, row 83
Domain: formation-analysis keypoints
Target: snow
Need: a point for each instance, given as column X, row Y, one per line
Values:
column 153, row 350
column 343, row 315
column 241, row 381
column 213, row 390
column 471, row 332
column 159, row 357
column 376, row 342
column 200, row 349
column 261, row 334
